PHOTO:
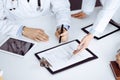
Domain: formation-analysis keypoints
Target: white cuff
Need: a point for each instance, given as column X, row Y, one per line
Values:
column 87, row 12
column 19, row 32
column 65, row 26
column 94, row 32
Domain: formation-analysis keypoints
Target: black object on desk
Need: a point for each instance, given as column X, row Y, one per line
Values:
column 73, row 64
column 16, row 46
column 61, row 31
column 116, row 70
column 112, row 22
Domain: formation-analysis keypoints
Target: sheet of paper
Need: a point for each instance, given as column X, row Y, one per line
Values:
column 109, row 28
column 62, row 56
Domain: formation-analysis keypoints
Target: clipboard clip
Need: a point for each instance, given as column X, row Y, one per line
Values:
column 44, row 63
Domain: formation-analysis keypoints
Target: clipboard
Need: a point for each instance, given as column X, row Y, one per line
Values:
column 112, row 22
column 92, row 57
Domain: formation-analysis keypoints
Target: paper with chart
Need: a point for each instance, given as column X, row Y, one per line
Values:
column 62, row 56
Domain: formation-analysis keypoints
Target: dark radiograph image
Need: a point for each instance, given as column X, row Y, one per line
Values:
column 16, row 46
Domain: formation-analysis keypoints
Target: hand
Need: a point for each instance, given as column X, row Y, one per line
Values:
column 79, row 15
column 118, row 59
column 35, row 34
column 84, row 43
column 64, row 34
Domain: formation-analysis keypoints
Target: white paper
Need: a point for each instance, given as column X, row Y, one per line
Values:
column 62, row 56
column 109, row 28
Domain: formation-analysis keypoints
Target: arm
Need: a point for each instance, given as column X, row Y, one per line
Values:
column 6, row 26
column 100, row 24
column 61, row 9
column 10, row 28
column 87, row 8
column 104, row 16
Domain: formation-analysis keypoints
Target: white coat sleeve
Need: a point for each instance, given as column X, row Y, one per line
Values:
column 6, row 26
column 104, row 16
column 61, row 9
column 88, row 6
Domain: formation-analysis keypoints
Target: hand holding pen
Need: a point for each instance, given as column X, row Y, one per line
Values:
column 62, row 34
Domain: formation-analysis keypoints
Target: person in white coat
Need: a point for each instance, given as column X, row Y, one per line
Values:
column 109, row 7
column 10, row 10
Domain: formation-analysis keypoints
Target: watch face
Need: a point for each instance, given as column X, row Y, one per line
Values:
column 16, row 46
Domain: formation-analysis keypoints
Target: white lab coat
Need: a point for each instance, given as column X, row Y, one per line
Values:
column 106, row 13
column 21, row 9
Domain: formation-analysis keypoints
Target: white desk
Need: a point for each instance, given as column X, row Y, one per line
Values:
column 27, row 68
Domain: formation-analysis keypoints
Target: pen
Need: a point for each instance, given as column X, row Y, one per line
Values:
column 61, row 33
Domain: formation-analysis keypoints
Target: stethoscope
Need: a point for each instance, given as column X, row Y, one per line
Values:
column 39, row 4
column 14, row 6
column 38, row 8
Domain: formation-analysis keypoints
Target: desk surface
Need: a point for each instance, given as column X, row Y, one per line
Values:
column 27, row 68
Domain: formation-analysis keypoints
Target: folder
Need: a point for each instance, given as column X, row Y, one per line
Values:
column 115, row 69
column 61, row 56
